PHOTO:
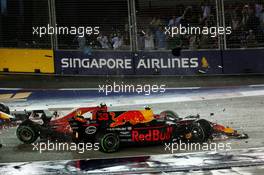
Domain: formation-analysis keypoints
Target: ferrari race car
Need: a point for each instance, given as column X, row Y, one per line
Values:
column 112, row 128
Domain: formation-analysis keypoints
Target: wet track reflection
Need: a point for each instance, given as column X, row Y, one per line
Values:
column 184, row 162
column 238, row 107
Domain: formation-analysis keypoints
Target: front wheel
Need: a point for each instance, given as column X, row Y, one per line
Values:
column 201, row 131
column 108, row 142
column 27, row 134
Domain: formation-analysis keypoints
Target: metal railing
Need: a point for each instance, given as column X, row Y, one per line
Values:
column 137, row 27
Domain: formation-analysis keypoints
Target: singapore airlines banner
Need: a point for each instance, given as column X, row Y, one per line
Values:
column 141, row 63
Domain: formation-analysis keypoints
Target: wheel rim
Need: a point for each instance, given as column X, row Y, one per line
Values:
column 110, row 142
column 197, row 134
column 25, row 135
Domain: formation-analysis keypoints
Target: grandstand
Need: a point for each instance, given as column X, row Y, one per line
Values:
column 133, row 25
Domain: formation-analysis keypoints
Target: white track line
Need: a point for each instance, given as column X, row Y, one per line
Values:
column 11, row 89
column 252, row 93
column 257, row 85
column 140, row 100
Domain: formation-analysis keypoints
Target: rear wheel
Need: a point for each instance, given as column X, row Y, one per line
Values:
column 27, row 134
column 108, row 142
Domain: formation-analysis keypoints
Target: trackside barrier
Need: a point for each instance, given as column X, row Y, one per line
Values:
column 141, row 63
column 188, row 63
column 128, row 63
column 98, row 63
column 243, row 61
column 26, row 60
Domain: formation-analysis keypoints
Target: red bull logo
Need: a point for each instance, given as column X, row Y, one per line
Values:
column 133, row 117
column 152, row 135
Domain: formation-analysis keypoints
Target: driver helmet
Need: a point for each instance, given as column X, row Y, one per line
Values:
column 102, row 105
column 147, row 108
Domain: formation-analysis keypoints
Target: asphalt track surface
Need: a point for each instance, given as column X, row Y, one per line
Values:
column 56, row 82
column 235, row 162
column 242, row 112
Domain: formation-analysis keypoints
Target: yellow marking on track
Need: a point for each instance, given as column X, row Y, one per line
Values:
column 22, row 95
column 5, row 96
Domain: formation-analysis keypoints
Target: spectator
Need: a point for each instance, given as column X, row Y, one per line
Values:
column 103, row 40
column 81, row 41
column 261, row 20
column 155, row 23
column 117, row 41
column 82, row 45
column 236, row 13
column 160, row 38
column 192, row 42
column 228, row 15
column 173, row 22
column 204, row 42
column 253, row 21
column 251, row 39
column 149, row 41
column 236, row 23
column 174, row 42
column 182, row 19
column 141, row 39
column 141, row 42
column 245, row 16
column 206, row 10
column 258, row 9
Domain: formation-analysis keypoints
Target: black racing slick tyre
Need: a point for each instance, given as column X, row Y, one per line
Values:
column 108, row 142
column 201, row 131
column 4, row 108
column 27, row 134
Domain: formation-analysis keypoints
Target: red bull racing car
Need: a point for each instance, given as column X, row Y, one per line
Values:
column 112, row 128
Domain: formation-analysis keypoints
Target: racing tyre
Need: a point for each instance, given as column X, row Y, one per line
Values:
column 4, row 108
column 108, row 142
column 201, row 131
column 27, row 134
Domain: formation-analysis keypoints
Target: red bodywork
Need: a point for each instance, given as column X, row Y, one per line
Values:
column 62, row 125
column 133, row 117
